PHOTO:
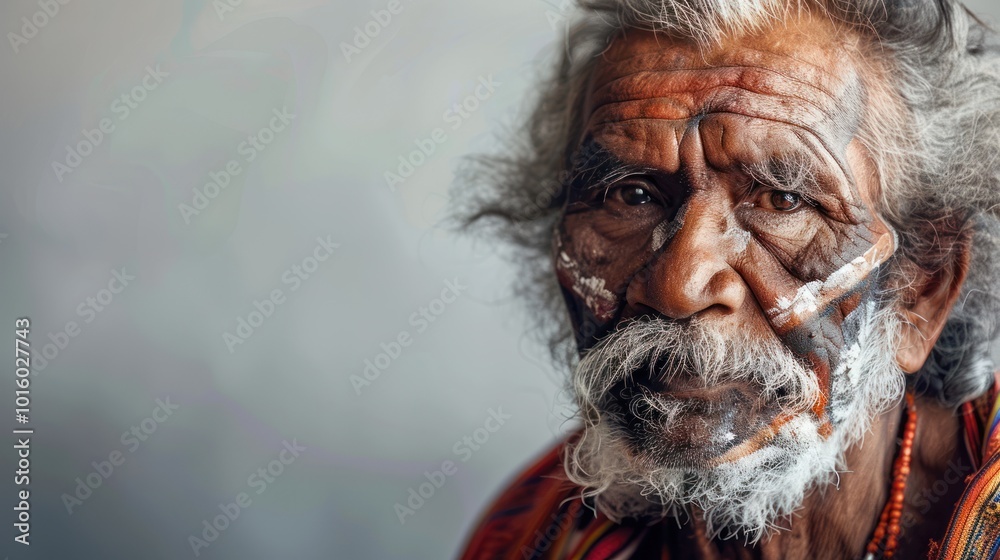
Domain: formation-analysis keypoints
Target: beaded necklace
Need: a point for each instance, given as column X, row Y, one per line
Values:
column 886, row 536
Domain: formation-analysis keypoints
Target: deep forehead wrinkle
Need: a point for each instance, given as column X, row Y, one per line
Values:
column 639, row 54
column 679, row 93
column 766, row 63
column 690, row 102
column 810, row 85
column 652, row 83
column 812, row 43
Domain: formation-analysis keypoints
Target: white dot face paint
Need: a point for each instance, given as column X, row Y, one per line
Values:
column 846, row 378
column 592, row 290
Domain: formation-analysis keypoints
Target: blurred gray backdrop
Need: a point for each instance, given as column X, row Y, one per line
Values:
column 250, row 336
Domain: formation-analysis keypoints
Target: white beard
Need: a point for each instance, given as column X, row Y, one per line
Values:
column 749, row 495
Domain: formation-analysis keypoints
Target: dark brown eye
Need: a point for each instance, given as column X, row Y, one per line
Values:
column 635, row 195
column 784, row 201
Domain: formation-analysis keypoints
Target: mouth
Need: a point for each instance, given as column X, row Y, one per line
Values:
column 684, row 423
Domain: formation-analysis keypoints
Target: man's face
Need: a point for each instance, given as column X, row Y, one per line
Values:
column 723, row 195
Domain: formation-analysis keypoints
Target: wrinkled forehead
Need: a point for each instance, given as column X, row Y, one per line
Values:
column 800, row 76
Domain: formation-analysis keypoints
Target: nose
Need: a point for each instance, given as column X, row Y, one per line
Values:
column 691, row 275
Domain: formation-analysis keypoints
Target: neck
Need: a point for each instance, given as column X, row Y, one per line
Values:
column 838, row 522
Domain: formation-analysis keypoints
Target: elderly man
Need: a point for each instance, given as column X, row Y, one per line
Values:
column 774, row 226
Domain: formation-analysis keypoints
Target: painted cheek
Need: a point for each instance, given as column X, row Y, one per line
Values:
column 589, row 283
column 591, row 290
column 819, row 320
column 828, row 341
column 593, row 271
column 792, row 310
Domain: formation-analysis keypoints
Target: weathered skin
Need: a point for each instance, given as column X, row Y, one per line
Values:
column 711, row 243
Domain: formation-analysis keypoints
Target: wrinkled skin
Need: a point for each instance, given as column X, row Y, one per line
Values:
column 664, row 218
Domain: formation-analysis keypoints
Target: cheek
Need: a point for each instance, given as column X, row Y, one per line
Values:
column 594, row 269
column 838, row 292
column 856, row 327
column 829, row 342
column 588, row 287
column 820, row 321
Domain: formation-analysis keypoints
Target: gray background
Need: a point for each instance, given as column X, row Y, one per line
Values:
column 63, row 236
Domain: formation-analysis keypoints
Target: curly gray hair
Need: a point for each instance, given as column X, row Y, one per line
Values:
column 938, row 158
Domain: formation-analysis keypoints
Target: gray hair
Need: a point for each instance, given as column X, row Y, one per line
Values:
column 938, row 156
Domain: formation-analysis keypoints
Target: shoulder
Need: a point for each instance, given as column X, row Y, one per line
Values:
column 974, row 529
column 522, row 510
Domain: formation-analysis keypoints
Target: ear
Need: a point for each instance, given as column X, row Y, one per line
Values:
column 925, row 315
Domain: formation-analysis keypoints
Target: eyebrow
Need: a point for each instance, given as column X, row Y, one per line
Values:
column 592, row 166
column 792, row 175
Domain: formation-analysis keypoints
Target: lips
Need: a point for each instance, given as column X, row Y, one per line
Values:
column 683, row 423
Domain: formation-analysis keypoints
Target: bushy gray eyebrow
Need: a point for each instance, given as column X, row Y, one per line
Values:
column 793, row 175
column 594, row 167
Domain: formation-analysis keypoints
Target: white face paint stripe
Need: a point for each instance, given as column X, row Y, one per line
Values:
column 660, row 235
column 738, row 237
column 820, row 293
column 667, row 229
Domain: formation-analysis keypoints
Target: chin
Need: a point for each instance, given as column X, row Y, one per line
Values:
column 684, row 421
column 742, row 487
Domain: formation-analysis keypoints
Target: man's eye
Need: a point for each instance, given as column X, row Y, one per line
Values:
column 634, row 195
column 782, row 201
column 622, row 196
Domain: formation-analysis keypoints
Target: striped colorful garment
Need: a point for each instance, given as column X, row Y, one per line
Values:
column 541, row 516
column 974, row 530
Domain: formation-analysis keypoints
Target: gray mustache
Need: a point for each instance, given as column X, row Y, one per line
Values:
column 660, row 350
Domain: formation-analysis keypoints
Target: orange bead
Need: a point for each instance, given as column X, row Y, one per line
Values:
column 888, row 524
